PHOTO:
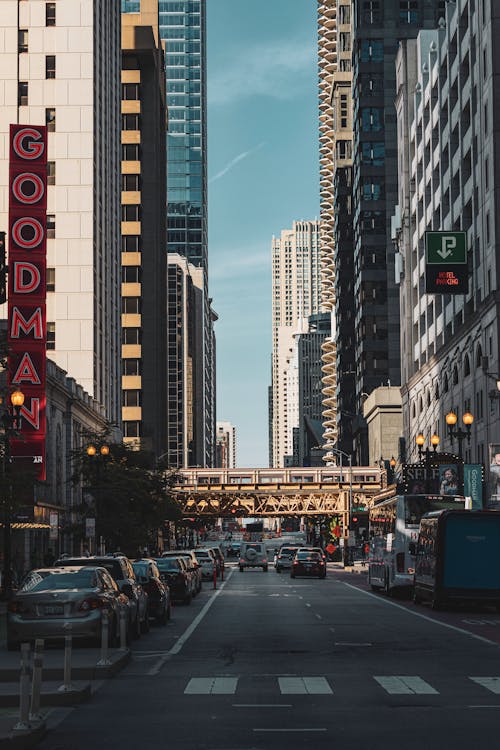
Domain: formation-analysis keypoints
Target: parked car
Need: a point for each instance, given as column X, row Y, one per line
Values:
column 253, row 555
column 193, row 566
column 121, row 570
column 307, row 563
column 174, row 572
column 148, row 575
column 218, row 556
column 284, row 558
column 53, row 603
column 208, row 563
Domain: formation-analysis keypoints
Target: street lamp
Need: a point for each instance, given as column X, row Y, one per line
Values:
column 451, row 420
column 11, row 420
column 341, row 453
column 97, row 453
column 420, row 441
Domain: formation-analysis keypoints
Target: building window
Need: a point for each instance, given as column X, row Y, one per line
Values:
column 372, row 50
column 130, row 152
column 371, row 11
column 131, row 274
column 131, row 213
column 50, row 119
column 51, row 335
column 131, row 305
column 132, row 398
column 22, row 36
column 22, row 96
column 130, row 243
column 51, row 279
column 132, row 429
column 130, row 122
column 130, row 91
column 50, row 14
column 50, row 66
column 131, row 182
column 131, row 335
column 51, row 173
column 408, row 11
column 131, row 366
column 51, row 226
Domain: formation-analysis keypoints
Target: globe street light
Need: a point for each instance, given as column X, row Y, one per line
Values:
column 97, row 453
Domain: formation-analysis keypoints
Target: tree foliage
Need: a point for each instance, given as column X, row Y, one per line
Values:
column 127, row 494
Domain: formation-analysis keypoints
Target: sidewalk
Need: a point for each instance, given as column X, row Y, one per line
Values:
column 84, row 671
column 357, row 567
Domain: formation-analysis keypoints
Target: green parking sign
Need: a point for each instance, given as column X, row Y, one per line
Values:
column 445, row 247
column 446, row 269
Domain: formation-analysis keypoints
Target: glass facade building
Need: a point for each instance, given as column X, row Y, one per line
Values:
column 182, row 26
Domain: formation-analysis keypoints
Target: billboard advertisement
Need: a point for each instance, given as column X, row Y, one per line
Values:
column 27, row 324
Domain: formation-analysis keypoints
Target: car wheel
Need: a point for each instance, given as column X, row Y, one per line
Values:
column 136, row 627
column 145, row 625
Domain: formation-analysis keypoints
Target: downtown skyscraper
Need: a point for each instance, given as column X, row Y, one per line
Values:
column 183, row 29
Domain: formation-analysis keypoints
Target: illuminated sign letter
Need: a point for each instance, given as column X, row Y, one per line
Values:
column 19, row 323
column 26, row 277
column 26, row 372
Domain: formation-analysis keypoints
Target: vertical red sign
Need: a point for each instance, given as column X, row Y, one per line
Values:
column 27, row 323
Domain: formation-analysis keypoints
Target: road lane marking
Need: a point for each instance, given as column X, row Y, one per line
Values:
column 347, row 643
column 483, row 706
column 189, row 630
column 304, row 685
column 423, row 617
column 308, row 605
column 490, row 683
column 319, row 617
column 211, row 686
column 405, row 685
column 287, row 729
column 262, row 705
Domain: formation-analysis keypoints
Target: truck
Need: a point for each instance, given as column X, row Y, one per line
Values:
column 457, row 558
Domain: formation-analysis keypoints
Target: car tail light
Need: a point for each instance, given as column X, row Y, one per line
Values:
column 295, row 563
column 87, row 604
column 400, row 562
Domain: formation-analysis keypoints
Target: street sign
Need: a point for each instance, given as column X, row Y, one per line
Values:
column 473, row 484
column 90, row 528
column 446, row 263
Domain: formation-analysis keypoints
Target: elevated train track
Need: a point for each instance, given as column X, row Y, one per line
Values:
column 278, row 492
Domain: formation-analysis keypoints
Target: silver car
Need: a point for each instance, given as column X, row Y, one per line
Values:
column 54, row 602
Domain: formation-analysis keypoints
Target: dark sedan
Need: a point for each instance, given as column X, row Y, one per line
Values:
column 308, row 563
column 158, row 592
column 174, row 572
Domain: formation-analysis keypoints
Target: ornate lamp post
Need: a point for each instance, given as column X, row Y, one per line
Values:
column 97, row 453
column 420, row 441
column 11, row 420
column 460, row 434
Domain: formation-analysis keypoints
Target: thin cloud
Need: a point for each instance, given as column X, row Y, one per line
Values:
column 234, row 161
column 279, row 70
column 246, row 261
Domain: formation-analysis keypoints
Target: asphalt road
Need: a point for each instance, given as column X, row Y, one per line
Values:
column 271, row 663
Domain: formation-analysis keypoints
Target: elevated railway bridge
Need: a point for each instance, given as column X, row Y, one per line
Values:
column 299, row 492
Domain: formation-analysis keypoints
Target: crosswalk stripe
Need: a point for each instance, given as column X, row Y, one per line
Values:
column 490, row 683
column 405, row 685
column 304, row 685
column 211, row 686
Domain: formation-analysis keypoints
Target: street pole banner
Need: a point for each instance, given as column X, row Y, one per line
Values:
column 473, row 484
column 27, row 261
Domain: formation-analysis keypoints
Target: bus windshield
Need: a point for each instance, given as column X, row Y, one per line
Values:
column 417, row 505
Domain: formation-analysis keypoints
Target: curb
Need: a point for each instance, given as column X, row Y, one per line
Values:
column 23, row 740
column 73, row 697
column 90, row 672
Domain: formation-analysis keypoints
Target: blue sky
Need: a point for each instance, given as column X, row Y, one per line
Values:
column 263, row 173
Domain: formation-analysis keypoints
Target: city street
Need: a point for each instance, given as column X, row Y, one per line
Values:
column 271, row 662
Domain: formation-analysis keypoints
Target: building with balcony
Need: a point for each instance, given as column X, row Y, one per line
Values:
column 144, row 257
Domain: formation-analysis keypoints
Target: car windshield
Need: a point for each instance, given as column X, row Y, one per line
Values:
column 82, row 579
column 167, row 563
column 202, row 553
column 287, row 551
column 141, row 569
column 306, row 555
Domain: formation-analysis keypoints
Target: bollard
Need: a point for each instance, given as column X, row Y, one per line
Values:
column 36, row 684
column 222, row 573
column 104, row 661
column 215, row 576
column 123, row 630
column 66, row 687
column 24, row 689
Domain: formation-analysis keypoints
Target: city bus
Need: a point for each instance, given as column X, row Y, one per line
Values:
column 393, row 532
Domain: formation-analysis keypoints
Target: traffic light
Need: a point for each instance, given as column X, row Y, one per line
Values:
column 3, row 270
